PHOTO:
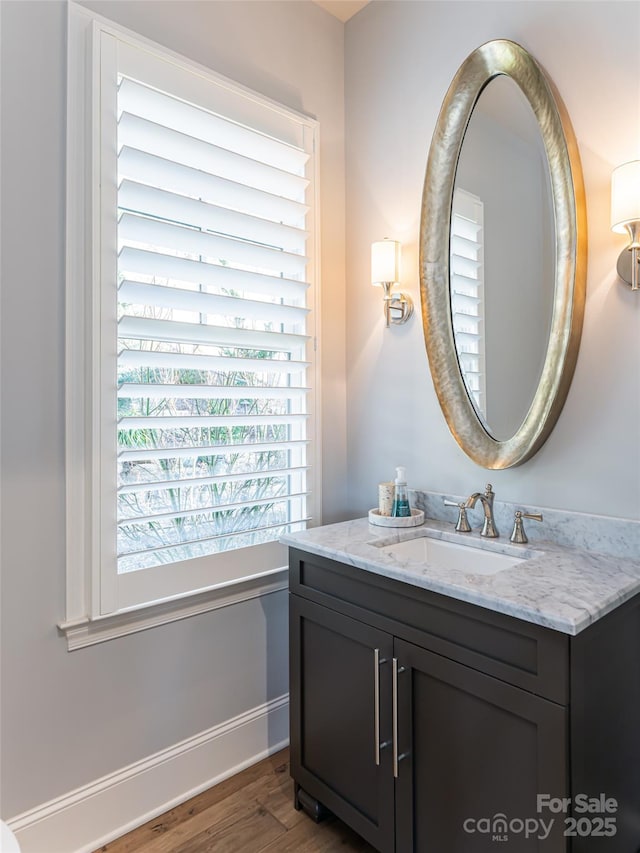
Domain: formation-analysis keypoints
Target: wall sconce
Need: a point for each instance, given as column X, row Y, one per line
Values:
column 625, row 217
column 385, row 272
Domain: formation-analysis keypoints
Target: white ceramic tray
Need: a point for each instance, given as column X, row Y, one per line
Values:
column 417, row 517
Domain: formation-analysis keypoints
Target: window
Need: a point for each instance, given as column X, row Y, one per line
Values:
column 467, row 293
column 200, row 380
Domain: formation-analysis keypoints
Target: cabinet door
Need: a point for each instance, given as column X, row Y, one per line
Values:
column 474, row 749
column 340, row 715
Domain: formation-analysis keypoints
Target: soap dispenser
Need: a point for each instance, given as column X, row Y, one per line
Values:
column 401, row 508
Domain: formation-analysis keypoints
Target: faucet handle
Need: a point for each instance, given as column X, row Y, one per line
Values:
column 518, row 535
column 462, row 525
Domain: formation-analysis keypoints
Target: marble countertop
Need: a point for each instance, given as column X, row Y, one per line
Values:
column 558, row 587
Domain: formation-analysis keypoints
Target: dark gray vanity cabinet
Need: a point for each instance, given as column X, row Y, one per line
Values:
column 475, row 747
column 334, row 717
column 470, row 707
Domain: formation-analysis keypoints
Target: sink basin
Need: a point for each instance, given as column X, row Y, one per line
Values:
column 450, row 555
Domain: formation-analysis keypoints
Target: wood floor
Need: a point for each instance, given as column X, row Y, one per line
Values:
column 248, row 813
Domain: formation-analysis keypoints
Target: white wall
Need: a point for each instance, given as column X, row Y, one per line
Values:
column 69, row 718
column 400, row 59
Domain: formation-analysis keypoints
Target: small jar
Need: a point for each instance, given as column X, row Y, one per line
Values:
column 386, row 492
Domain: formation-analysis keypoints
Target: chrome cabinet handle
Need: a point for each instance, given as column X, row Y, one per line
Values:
column 395, row 717
column 376, row 703
column 394, row 711
column 377, row 661
column 396, row 757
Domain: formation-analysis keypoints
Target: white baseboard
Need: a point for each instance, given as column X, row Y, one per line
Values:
column 84, row 819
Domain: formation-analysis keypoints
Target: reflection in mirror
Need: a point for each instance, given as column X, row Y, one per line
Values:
column 502, row 261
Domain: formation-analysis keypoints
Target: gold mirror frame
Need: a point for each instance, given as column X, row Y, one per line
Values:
column 501, row 57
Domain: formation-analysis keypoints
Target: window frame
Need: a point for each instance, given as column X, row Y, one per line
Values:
column 89, row 583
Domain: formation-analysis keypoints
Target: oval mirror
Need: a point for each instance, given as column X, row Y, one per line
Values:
column 502, row 256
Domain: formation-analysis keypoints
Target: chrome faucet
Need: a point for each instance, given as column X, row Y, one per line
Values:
column 488, row 528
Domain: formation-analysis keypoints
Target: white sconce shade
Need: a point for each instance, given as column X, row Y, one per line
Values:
column 385, row 262
column 625, row 217
column 385, row 272
column 625, row 196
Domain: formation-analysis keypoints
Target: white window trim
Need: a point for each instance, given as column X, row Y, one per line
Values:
column 83, row 625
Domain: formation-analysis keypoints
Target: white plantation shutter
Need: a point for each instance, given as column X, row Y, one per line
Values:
column 467, row 292
column 206, row 326
column 211, row 424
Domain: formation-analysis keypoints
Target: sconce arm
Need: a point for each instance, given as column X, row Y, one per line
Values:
column 398, row 306
column 629, row 260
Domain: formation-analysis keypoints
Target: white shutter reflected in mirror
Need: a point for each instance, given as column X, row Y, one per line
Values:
column 467, row 293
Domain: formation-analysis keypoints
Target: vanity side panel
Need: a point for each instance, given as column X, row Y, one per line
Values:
column 513, row 650
column 605, row 724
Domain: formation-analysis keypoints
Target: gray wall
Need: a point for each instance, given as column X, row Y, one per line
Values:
column 69, row 718
column 400, row 59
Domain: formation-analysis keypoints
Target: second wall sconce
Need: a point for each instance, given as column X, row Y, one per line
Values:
column 625, row 217
column 385, row 273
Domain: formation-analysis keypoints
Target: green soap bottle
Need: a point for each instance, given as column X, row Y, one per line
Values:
column 401, row 508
